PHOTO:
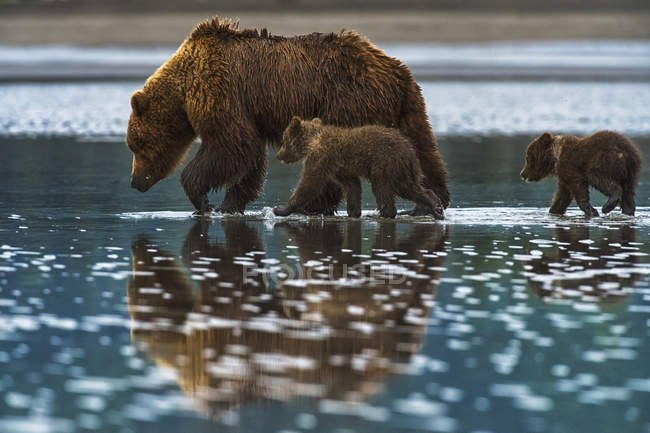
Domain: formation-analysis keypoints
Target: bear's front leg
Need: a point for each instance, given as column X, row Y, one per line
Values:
column 385, row 198
column 580, row 191
column 326, row 202
column 310, row 186
column 352, row 189
column 561, row 199
column 204, row 206
column 195, row 179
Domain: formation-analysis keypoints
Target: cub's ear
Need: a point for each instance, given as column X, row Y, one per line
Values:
column 139, row 102
column 546, row 137
column 317, row 121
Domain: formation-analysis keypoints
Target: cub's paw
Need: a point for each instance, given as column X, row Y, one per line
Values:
column 282, row 211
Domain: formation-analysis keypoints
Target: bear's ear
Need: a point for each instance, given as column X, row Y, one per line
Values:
column 546, row 137
column 294, row 125
column 139, row 102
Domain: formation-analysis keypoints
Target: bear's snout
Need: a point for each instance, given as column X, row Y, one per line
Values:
column 140, row 184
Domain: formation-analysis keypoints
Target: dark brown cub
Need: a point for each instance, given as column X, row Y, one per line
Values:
column 606, row 161
column 342, row 155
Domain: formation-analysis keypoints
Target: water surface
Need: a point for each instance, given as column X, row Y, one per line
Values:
column 120, row 312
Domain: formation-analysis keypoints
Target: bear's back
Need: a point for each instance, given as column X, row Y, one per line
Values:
column 363, row 149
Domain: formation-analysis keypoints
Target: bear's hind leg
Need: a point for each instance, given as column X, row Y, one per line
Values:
column 561, row 199
column 385, row 198
column 425, row 199
column 245, row 190
column 627, row 202
column 352, row 188
column 434, row 175
column 614, row 193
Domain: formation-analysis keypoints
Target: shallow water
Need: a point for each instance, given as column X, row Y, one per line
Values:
column 119, row 312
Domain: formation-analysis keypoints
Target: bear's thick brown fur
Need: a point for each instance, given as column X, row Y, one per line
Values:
column 338, row 155
column 237, row 91
column 606, row 160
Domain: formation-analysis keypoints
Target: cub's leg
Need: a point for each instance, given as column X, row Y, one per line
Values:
column 385, row 198
column 580, row 190
column 310, row 186
column 352, row 188
column 627, row 202
column 326, row 203
column 561, row 199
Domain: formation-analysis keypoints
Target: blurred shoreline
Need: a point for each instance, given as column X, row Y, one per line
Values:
column 436, row 45
column 424, row 26
column 608, row 61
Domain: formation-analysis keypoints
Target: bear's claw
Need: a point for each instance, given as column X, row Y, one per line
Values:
column 205, row 210
column 437, row 212
column 229, row 210
column 282, row 211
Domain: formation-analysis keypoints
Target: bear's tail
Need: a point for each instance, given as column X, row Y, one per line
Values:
column 414, row 124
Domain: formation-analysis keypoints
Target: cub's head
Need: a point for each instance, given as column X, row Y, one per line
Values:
column 159, row 135
column 296, row 138
column 539, row 159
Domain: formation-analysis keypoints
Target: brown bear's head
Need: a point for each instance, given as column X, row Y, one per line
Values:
column 539, row 159
column 296, row 138
column 159, row 134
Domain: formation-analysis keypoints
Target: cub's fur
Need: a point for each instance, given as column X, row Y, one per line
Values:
column 606, row 160
column 343, row 155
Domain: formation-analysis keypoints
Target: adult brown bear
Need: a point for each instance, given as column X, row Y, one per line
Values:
column 237, row 90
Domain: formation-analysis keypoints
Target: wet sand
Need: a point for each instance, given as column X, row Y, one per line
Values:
column 384, row 26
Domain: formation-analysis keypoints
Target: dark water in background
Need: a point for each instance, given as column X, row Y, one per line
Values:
column 119, row 313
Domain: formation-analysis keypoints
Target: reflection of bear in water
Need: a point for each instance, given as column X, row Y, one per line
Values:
column 606, row 160
column 387, row 287
column 343, row 155
column 577, row 268
column 231, row 340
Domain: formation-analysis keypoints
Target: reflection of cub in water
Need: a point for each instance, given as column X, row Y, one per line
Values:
column 578, row 266
column 232, row 339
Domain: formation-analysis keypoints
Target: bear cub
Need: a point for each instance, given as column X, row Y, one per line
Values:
column 343, row 155
column 606, row 161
